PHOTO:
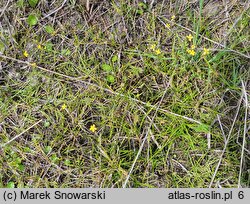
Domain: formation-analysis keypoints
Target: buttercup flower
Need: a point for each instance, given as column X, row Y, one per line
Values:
column 172, row 17
column 64, row 106
column 25, row 54
column 158, row 51
column 33, row 64
column 191, row 52
column 206, row 51
column 152, row 47
column 168, row 25
column 93, row 128
column 39, row 46
column 190, row 37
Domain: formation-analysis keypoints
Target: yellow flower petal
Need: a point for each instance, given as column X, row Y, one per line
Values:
column 33, row 64
column 39, row 46
column 25, row 54
column 93, row 128
column 152, row 47
column 172, row 17
column 158, row 51
column 190, row 37
column 168, row 25
column 193, row 47
column 64, row 106
column 191, row 52
column 206, row 51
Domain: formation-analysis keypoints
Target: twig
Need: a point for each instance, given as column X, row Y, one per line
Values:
column 3, row 145
column 4, row 8
column 151, row 4
column 221, row 127
column 246, row 150
column 104, row 89
column 183, row 167
column 226, row 142
column 209, row 140
column 56, row 10
column 152, row 136
column 244, row 132
column 144, row 140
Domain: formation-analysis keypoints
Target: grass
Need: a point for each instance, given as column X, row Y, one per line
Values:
column 163, row 116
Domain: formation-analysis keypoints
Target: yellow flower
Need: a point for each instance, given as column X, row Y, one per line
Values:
column 25, row 54
column 190, row 37
column 168, row 25
column 33, row 64
column 93, row 128
column 193, row 47
column 64, row 106
column 191, row 52
column 206, row 51
column 152, row 47
column 172, row 17
column 158, row 51
column 39, row 46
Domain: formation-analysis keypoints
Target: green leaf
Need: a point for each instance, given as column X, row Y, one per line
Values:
column 111, row 78
column 47, row 149
column 21, row 167
column 11, row 184
column 54, row 158
column 200, row 128
column 143, row 5
column 18, row 160
column 65, row 52
column 107, row 67
column 49, row 46
column 136, row 70
column 26, row 149
column 20, row 3
column 2, row 47
column 142, row 8
column 67, row 162
column 49, row 29
column 114, row 58
column 139, row 11
column 32, row 20
column 217, row 57
column 46, row 124
column 33, row 3
column 148, row 104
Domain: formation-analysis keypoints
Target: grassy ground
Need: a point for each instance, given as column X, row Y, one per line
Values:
column 128, row 94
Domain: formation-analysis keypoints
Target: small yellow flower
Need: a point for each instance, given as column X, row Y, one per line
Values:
column 25, row 54
column 193, row 47
column 190, row 37
column 33, row 64
column 168, row 25
column 206, row 51
column 64, row 106
column 172, row 17
column 191, row 52
column 39, row 46
column 152, row 47
column 93, row 128
column 158, row 51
